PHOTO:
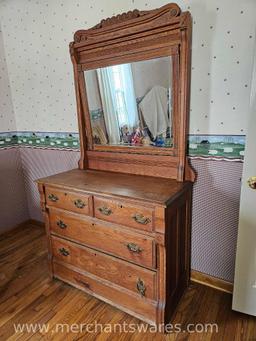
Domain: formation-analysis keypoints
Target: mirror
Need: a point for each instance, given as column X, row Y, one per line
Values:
column 131, row 104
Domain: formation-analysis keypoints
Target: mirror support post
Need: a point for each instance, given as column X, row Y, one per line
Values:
column 82, row 163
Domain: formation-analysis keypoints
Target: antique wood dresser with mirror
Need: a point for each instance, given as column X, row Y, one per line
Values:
column 118, row 227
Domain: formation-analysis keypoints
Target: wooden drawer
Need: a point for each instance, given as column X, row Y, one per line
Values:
column 117, row 241
column 120, row 212
column 73, row 201
column 132, row 277
column 136, row 305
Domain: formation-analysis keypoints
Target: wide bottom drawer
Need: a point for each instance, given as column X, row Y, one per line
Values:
column 139, row 307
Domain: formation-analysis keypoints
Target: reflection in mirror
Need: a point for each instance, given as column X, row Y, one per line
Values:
column 130, row 104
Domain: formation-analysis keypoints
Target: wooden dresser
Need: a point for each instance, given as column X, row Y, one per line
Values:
column 122, row 238
column 119, row 226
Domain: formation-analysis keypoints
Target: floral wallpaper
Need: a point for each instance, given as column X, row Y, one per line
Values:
column 7, row 117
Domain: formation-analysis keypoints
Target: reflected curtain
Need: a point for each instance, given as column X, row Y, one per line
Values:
column 106, row 81
column 126, row 79
column 118, row 110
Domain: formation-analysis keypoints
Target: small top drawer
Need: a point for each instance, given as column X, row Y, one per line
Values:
column 71, row 201
column 122, row 213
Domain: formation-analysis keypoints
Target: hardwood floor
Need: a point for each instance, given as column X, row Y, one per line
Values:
column 27, row 296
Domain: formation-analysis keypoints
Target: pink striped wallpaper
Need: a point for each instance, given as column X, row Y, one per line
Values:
column 13, row 201
column 215, row 215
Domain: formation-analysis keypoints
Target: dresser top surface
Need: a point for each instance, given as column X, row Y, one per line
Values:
column 146, row 188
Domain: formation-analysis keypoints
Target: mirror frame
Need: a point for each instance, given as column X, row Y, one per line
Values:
column 130, row 37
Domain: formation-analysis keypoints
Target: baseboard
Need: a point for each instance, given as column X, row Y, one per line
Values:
column 211, row 281
column 35, row 222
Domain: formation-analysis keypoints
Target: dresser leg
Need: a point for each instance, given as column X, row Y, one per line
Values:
column 161, row 284
column 47, row 228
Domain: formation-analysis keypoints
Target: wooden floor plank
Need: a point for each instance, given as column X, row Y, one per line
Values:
column 23, row 236
column 27, row 295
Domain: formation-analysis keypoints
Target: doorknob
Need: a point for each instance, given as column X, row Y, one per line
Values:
column 252, row 182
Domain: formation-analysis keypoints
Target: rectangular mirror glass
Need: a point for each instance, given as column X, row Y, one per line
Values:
column 131, row 104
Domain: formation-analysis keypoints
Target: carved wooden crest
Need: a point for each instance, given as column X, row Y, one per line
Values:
column 130, row 18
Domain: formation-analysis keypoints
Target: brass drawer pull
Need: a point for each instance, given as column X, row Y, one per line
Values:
column 79, row 203
column 133, row 247
column 53, row 197
column 64, row 252
column 141, row 287
column 139, row 218
column 105, row 210
column 61, row 224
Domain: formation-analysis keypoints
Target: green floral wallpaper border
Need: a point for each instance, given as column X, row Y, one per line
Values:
column 217, row 146
column 206, row 146
column 53, row 140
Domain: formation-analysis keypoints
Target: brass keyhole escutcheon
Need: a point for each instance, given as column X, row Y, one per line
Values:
column 252, row 182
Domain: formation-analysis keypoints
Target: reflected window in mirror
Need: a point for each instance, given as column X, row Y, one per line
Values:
column 131, row 104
